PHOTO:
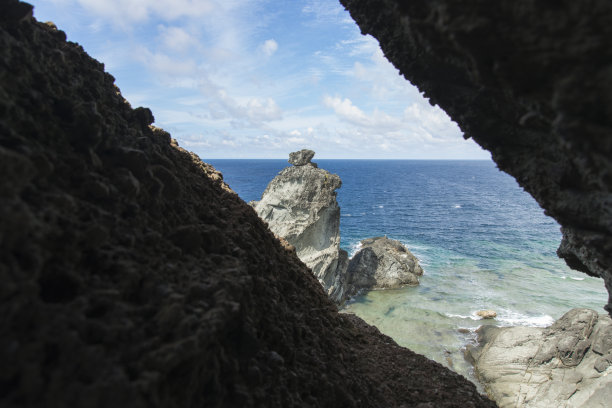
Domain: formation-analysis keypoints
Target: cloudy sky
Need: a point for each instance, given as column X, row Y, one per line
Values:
column 260, row 78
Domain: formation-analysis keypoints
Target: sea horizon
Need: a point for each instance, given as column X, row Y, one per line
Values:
column 315, row 160
column 483, row 242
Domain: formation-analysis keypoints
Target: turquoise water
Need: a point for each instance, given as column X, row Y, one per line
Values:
column 483, row 242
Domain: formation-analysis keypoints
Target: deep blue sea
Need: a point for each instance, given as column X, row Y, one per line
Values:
column 483, row 242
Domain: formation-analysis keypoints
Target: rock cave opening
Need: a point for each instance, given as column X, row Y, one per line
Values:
column 132, row 269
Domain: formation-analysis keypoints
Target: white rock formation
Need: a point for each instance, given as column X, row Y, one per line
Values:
column 565, row 365
column 300, row 205
column 383, row 263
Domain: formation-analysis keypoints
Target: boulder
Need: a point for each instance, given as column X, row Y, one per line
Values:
column 300, row 206
column 566, row 364
column 383, row 263
column 487, row 314
column 302, row 157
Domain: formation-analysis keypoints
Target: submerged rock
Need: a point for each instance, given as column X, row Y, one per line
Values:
column 487, row 314
column 566, row 364
column 300, row 206
column 383, row 263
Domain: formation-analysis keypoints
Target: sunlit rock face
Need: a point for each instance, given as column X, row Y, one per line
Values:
column 300, row 206
column 531, row 82
column 566, row 364
column 132, row 276
column 383, row 263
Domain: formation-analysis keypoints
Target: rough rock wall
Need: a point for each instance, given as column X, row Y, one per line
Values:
column 530, row 81
column 132, row 276
column 300, row 205
column 565, row 365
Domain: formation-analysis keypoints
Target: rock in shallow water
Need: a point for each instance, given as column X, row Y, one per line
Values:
column 487, row 314
column 383, row 263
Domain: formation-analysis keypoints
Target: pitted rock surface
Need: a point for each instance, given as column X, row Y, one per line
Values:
column 301, row 158
column 132, row 276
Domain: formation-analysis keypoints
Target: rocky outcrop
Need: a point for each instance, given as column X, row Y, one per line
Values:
column 382, row 263
column 302, row 158
column 300, row 206
column 133, row 277
column 565, row 365
column 529, row 82
column 487, row 314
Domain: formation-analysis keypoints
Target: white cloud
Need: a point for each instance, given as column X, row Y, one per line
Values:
column 123, row 12
column 253, row 111
column 269, row 47
column 296, row 140
column 263, row 109
column 345, row 110
column 165, row 65
column 176, row 39
column 325, row 11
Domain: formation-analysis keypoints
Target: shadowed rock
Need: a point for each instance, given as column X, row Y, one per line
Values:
column 132, row 276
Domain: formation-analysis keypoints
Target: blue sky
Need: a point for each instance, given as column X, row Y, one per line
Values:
column 260, row 78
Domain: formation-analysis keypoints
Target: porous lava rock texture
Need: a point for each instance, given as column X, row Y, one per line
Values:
column 564, row 365
column 528, row 80
column 383, row 263
column 133, row 277
column 300, row 205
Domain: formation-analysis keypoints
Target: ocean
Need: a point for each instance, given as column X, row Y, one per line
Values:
column 483, row 242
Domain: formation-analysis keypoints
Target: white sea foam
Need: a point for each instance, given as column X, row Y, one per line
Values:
column 381, row 206
column 458, row 316
column 354, row 248
column 572, row 278
column 518, row 319
column 510, row 319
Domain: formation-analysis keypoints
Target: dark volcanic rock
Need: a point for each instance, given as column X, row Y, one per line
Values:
column 132, row 276
column 530, row 81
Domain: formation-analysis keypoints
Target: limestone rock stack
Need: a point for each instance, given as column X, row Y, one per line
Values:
column 300, row 205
